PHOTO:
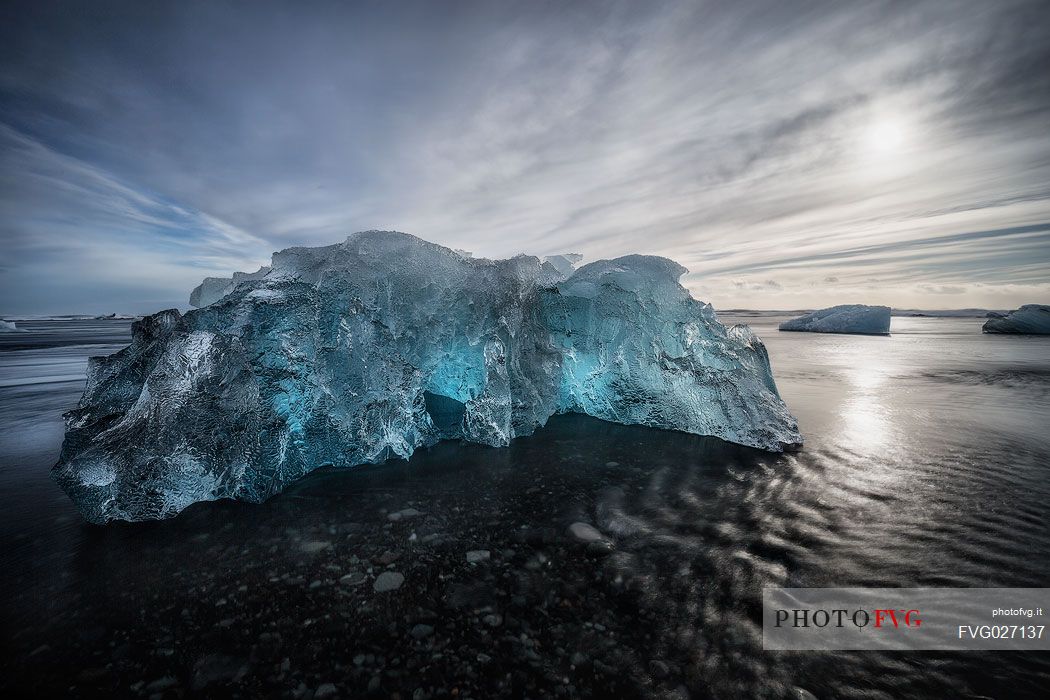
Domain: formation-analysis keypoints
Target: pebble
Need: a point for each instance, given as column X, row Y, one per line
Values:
column 161, row 684
column 314, row 547
column 537, row 562
column 585, row 533
column 326, row 690
column 421, row 631
column 478, row 555
column 404, row 514
column 354, row 578
column 388, row 581
column 215, row 668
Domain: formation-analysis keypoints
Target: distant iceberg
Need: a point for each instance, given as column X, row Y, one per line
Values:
column 372, row 348
column 9, row 327
column 847, row 318
column 1030, row 319
column 943, row 313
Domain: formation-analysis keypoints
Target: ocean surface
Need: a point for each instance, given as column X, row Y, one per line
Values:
column 926, row 463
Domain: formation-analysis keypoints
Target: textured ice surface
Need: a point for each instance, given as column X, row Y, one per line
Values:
column 1031, row 319
column 848, row 318
column 214, row 288
column 369, row 349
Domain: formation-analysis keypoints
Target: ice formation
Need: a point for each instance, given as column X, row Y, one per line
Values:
column 369, row 349
column 8, row 327
column 847, row 318
column 564, row 264
column 1031, row 319
column 214, row 288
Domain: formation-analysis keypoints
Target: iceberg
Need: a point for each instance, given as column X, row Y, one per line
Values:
column 9, row 327
column 372, row 348
column 115, row 317
column 1030, row 319
column 943, row 313
column 847, row 318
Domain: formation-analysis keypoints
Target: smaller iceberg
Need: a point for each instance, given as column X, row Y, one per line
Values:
column 9, row 327
column 846, row 318
column 1030, row 319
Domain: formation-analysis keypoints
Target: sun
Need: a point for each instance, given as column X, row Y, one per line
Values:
column 886, row 135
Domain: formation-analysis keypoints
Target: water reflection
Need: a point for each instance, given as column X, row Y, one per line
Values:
column 864, row 424
column 925, row 466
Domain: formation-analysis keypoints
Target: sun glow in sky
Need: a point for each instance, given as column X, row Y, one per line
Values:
column 790, row 155
column 886, row 136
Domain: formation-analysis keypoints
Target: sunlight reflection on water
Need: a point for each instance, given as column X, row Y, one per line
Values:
column 865, row 419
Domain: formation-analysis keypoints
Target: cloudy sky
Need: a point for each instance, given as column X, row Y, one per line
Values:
column 790, row 154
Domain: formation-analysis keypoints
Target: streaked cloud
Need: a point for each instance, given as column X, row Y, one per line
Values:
column 885, row 152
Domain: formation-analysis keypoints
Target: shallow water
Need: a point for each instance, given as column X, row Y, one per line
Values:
column 925, row 464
